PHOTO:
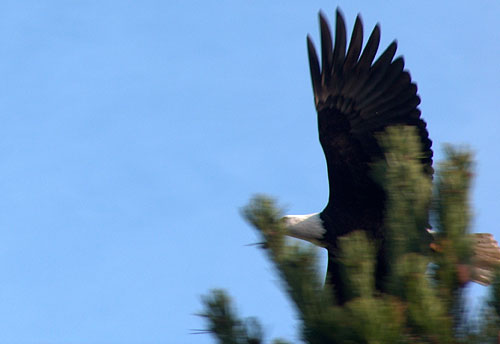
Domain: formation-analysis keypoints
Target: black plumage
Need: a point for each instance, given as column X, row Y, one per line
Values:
column 357, row 97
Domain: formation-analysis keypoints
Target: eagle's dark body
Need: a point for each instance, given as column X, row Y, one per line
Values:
column 355, row 99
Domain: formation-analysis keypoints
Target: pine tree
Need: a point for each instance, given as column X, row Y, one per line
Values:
column 423, row 302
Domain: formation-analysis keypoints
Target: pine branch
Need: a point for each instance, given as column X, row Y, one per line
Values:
column 298, row 268
column 417, row 306
column 224, row 323
column 452, row 212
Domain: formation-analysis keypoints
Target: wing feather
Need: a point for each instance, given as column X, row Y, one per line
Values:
column 370, row 50
column 355, row 44
column 314, row 66
column 340, row 44
column 326, row 49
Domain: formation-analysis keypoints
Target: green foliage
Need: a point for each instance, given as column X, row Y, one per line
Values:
column 408, row 191
column 451, row 208
column 426, row 314
column 373, row 320
column 357, row 256
column 225, row 324
column 453, row 183
column 298, row 269
column 419, row 305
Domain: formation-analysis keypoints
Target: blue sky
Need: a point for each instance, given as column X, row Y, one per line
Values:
column 132, row 132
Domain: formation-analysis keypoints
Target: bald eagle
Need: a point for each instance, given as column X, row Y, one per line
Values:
column 356, row 97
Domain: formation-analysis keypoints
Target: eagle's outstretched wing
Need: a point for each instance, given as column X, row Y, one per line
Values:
column 355, row 98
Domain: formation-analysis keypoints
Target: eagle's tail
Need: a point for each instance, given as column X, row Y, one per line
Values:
column 486, row 258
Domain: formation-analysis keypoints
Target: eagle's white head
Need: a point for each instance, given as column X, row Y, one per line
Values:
column 306, row 227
